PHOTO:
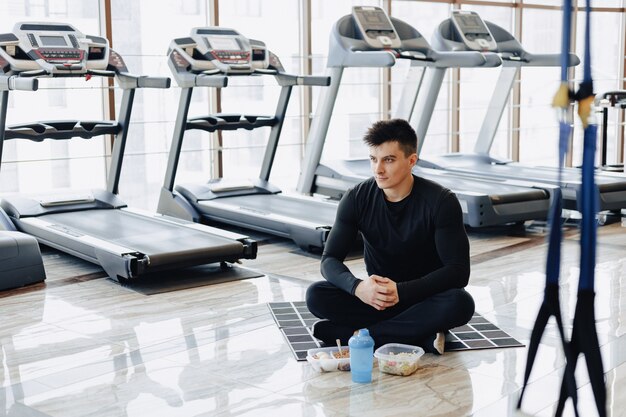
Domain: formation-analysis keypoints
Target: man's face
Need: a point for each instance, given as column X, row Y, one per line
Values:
column 390, row 166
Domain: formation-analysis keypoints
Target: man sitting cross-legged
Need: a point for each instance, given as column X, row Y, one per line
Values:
column 416, row 253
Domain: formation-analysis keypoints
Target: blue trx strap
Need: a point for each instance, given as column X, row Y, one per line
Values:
column 550, row 306
column 584, row 336
column 589, row 193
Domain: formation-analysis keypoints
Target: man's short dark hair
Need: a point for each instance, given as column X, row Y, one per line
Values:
column 394, row 130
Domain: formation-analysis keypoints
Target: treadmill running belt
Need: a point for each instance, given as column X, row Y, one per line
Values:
column 163, row 242
column 496, row 188
column 547, row 174
column 322, row 213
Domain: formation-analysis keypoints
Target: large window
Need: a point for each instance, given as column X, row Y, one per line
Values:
column 477, row 86
column 605, row 67
column 358, row 102
column 141, row 33
column 29, row 167
column 541, row 34
column 425, row 18
column 243, row 150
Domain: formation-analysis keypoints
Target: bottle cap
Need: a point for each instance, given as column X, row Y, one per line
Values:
column 361, row 338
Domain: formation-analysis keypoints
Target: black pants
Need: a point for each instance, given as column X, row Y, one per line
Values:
column 414, row 324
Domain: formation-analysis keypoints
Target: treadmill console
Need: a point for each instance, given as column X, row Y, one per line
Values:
column 57, row 48
column 473, row 31
column 376, row 27
column 220, row 50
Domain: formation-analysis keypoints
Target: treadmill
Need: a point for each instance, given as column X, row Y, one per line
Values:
column 369, row 38
column 615, row 99
column 209, row 57
column 97, row 225
column 466, row 31
column 20, row 259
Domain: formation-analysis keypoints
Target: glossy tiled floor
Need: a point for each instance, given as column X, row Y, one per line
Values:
column 82, row 345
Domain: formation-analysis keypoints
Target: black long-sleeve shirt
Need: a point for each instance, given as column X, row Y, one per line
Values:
column 419, row 242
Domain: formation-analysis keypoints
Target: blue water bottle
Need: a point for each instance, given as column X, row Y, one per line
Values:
column 361, row 356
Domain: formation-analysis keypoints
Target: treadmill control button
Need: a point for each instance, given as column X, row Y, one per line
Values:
column 384, row 40
column 482, row 43
column 32, row 40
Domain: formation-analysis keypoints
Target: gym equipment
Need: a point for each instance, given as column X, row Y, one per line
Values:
column 369, row 38
column 551, row 306
column 97, row 226
column 460, row 33
column 584, row 339
column 615, row 99
column 208, row 58
column 20, row 259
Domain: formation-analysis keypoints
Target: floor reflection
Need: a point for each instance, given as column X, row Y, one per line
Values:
column 94, row 348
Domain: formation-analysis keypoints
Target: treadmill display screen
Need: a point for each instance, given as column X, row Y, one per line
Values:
column 224, row 44
column 374, row 20
column 52, row 41
column 471, row 24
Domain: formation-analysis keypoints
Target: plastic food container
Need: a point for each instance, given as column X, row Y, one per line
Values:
column 398, row 359
column 326, row 360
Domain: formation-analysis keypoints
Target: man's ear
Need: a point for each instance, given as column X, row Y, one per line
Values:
column 413, row 159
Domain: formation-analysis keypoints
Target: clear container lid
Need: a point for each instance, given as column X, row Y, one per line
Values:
column 398, row 359
column 399, row 352
column 324, row 359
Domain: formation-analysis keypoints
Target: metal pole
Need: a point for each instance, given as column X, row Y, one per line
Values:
column 4, row 104
column 177, row 139
column 306, row 61
column 319, row 130
column 497, row 104
column 272, row 143
column 119, row 145
column 426, row 104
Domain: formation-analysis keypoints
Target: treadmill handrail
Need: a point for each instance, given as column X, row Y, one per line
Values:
column 218, row 79
column 62, row 129
column 13, row 82
column 210, row 80
column 539, row 60
column 463, row 59
column 617, row 95
column 370, row 59
column 284, row 79
column 446, row 59
column 614, row 98
column 43, row 73
column 34, row 73
column 27, row 80
column 492, row 59
column 128, row 80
